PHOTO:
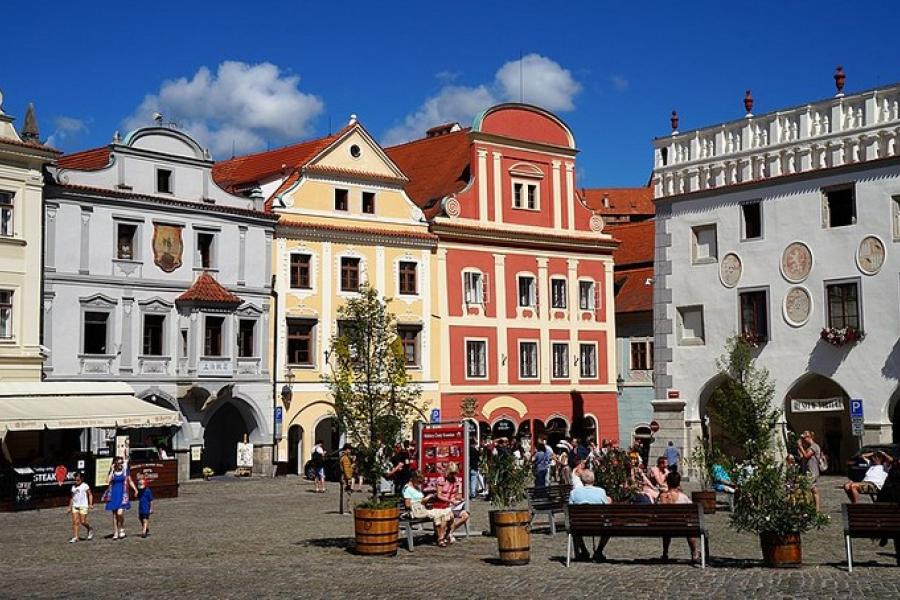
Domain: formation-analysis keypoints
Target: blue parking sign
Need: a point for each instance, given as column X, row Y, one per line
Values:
column 435, row 415
column 856, row 408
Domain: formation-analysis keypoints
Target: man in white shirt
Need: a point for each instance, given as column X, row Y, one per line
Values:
column 880, row 463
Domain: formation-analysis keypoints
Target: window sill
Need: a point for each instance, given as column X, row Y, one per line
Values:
column 560, row 378
column 153, row 357
column 12, row 240
column 470, row 378
column 207, row 269
column 8, row 341
column 292, row 366
column 525, row 208
column 98, row 356
column 704, row 261
column 408, row 294
column 692, row 342
column 753, row 239
column 128, row 261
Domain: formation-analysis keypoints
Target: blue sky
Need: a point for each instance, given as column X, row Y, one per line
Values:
column 248, row 75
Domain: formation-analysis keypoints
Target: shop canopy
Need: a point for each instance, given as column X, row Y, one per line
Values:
column 77, row 405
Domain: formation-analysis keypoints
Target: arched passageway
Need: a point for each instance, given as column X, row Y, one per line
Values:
column 820, row 405
column 225, row 428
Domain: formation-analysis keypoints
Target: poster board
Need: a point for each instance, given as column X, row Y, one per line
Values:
column 439, row 445
column 244, row 455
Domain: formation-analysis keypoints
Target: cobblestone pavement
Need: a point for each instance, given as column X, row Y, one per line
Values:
column 261, row 538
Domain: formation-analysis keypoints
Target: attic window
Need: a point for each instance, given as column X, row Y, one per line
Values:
column 164, row 181
column 355, row 151
column 341, row 199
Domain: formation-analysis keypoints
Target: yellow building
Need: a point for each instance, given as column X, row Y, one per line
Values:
column 345, row 220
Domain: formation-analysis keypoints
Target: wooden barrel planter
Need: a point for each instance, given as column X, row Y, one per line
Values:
column 707, row 499
column 513, row 536
column 781, row 550
column 377, row 531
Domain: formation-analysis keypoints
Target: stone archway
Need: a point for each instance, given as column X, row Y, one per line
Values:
column 328, row 432
column 711, row 426
column 819, row 404
column 503, row 428
column 295, row 449
column 224, row 429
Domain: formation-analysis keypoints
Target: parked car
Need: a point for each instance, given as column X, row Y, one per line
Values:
column 332, row 467
column 857, row 466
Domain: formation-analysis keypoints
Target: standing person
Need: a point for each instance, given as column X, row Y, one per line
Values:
column 119, row 491
column 346, row 464
column 81, row 502
column 674, row 495
column 400, row 471
column 318, row 461
column 541, row 459
column 145, row 504
column 673, row 456
column 474, row 464
column 563, row 471
column 810, row 461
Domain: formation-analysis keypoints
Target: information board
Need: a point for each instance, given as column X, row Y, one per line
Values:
column 440, row 446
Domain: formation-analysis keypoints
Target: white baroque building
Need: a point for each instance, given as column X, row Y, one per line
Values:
column 779, row 226
column 156, row 276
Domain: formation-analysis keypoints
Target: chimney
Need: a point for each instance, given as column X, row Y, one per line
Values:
column 442, row 129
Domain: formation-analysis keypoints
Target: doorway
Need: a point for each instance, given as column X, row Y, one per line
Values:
column 295, row 449
column 221, row 436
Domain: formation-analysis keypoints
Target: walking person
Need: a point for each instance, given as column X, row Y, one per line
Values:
column 673, row 456
column 119, row 495
column 81, row 502
column 541, row 459
column 318, row 463
column 145, row 504
column 810, row 461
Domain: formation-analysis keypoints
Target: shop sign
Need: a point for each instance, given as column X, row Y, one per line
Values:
column 440, row 446
column 817, row 405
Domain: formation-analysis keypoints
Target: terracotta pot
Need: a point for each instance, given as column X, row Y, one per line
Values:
column 781, row 550
column 513, row 536
column 377, row 531
column 707, row 499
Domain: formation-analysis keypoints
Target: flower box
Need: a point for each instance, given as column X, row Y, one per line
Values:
column 843, row 336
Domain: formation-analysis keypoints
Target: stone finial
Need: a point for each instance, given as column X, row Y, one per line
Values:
column 30, row 132
column 839, row 79
column 674, row 121
column 117, row 137
column 748, row 103
column 353, row 120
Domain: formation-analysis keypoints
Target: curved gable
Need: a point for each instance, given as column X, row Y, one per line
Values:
column 165, row 140
column 525, row 122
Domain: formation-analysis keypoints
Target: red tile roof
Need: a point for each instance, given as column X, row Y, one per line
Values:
column 86, row 160
column 634, row 290
column 637, row 243
column 286, row 221
column 206, row 290
column 34, row 145
column 622, row 201
column 436, row 167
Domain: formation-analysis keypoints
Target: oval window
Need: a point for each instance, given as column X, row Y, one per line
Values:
column 355, row 151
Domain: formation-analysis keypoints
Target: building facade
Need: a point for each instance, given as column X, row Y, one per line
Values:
column 525, row 273
column 344, row 220
column 784, row 228
column 157, row 277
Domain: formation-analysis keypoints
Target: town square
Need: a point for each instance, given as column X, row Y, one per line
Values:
column 459, row 300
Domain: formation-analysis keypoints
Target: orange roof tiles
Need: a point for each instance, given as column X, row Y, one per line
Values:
column 206, row 290
column 34, row 145
column 637, row 243
column 622, row 201
column 634, row 290
column 285, row 221
column 86, row 160
column 436, row 167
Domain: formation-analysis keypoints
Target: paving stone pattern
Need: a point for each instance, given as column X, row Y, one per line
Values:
column 263, row 538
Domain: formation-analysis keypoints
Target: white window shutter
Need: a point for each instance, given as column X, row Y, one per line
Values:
column 486, row 289
column 597, row 298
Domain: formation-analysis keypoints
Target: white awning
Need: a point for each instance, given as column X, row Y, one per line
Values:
column 77, row 405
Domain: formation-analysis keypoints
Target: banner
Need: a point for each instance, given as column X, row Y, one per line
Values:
column 442, row 445
column 835, row 404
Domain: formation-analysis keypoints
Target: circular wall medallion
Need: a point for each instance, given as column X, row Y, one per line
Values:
column 870, row 255
column 730, row 270
column 355, row 151
column 452, row 207
column 796, row 262
column 797, row 306
column 597, row 223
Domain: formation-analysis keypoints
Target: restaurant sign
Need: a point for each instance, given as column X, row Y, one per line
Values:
column 835, row 404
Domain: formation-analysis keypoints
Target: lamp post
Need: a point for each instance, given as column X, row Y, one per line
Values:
column 620, row 385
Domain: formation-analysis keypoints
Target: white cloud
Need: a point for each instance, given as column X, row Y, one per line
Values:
column 619, row 83
column 546, row 84
column 66, row 129
column 239, row 107
column 447, row 76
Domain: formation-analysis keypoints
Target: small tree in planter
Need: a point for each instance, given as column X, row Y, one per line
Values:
column 614, row 472
column 507, row 479
column 373, row 398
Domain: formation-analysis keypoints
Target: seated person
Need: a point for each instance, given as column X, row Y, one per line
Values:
column 415, row 501
column 721, row 479
column 449, row 495
column 648, row 493
column 659, row 472
column 577, row 470
column 880, row 463
column 588, row 494
column 674, row 495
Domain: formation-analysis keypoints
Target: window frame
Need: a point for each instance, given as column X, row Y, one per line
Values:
column 565, row 292
column 213, row 250
column 162, row 334
column 764, row 316
column 759, row 207
column 135, row 239
column 829, row 319
column 484, row 355
column 554, row 373
column 253, row 339
column 592, row 297
column 357, row 262
column 402, row 277
column 8, row 305
column 471, row 291
column 532, row 290
column 595, row 357
column 524, row 200
column 645, row 350
column 107, row 323
column 536, row 366
column 170, row 181
column 690, row 341
column 7, row 206
column 341, row 199
column 310, row 338
column 222, row 336
column 827, row 208
column 416, row 343
column 713, row 257
column 295, row 270
column 362, row 203
column 895, row 217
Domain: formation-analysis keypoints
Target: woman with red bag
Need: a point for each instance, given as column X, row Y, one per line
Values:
column 118, row 495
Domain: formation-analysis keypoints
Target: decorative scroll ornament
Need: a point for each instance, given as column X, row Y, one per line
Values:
column 597, row 223
column 168, row 247
column 452, row 207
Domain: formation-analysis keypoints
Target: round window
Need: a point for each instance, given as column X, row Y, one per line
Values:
column 355, row 151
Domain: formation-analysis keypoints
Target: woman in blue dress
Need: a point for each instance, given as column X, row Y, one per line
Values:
column 119, row 495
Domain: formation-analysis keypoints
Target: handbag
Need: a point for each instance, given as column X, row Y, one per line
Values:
column 107, row 494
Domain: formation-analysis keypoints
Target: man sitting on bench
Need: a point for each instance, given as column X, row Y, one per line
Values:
column 880, row 463
column 588, row 494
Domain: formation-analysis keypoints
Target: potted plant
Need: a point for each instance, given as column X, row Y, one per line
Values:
column 373, row 398
column 614, row 472
column 507, row 480
column 207, row 473
column 842, row 336
column 703, row 457
column 776, row 502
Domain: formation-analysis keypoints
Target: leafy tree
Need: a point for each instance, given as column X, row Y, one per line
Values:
column 374, row 396
column 743, row 403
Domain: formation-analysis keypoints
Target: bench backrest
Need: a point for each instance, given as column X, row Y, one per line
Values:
column 634, row 519
column 876, row 518
column 550, row 496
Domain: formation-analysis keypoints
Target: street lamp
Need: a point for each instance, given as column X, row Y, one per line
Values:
column 287, row 392
column 620, row 384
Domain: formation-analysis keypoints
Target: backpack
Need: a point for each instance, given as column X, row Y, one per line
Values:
column 823, row 462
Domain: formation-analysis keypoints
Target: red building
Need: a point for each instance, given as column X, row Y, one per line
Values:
column 525, row 274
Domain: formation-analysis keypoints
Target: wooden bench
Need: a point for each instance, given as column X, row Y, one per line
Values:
column 636, row 520
column 410, row 526
column 548, row 500
column 871, row 521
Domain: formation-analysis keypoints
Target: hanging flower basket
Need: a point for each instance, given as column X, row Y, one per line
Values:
column 751, row 339
column 842, row 337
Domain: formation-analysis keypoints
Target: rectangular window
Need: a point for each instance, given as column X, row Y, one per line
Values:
column 349, row 274
column 184, row 343
column 527, row 291
column 518, row 195
column 525, row 195
column 474, row 287
column 840, row 206
column 212, row 345
column 531, row 196
column 560, row 361
column 206, row 243
column 752, row 216
column 6, row 297
column 154, row 329
column 409, row 337
column 246, row 338
column 843, row 305
column 368, row 203
column 703, row 244
column 528, row 360
column 300, row 271
column 476, row 358
column 164, row 181
column 641, row 356
column 690, row 325
column 126, row 236
column 586, row 295
column 588, row 360
column 300, row 342
column 407, row 276
column 558, row 293
column 6, row 214
column 95, row 332
column 895, row 217
column 755, row 315
column 341, row 199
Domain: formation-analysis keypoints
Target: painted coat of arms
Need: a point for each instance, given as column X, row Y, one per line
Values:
column 167, row 246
